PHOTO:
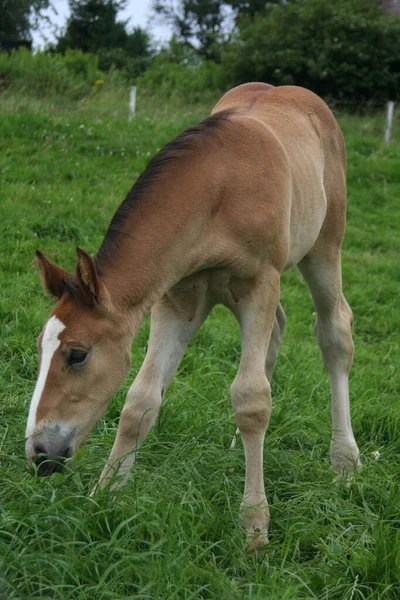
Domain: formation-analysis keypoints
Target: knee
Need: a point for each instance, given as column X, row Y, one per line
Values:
column 251, row 402
column 335, row 333
column 140, row 410
column 335, row 338
column 347, row 313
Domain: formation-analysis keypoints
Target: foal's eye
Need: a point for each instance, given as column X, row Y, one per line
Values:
column 77, row 357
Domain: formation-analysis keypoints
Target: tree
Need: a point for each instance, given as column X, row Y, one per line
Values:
column 133, row 59
column 196, row 23
column 201, row 24
column 252, row 7
column 139, row 43
column 344, row 50
column 93, row 25
column 19, row 17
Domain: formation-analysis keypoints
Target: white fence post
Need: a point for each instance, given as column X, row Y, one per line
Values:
column 390, row 107
column 132, row 103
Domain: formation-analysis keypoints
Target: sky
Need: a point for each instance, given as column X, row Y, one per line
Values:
column 137, row 11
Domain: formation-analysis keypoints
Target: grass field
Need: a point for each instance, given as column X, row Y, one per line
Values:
column 173, row 533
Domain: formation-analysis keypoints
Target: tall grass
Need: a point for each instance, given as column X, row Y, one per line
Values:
column 44, row 75
column 60, row 79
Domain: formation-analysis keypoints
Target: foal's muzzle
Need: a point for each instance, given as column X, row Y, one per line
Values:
column 48, row 451
column 49, row 447
column 49, row 463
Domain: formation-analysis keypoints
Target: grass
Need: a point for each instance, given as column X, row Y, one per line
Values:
column 173, row 533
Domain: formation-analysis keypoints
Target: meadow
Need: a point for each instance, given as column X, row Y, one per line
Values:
column 173, row 532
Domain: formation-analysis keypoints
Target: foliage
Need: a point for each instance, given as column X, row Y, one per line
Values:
column 93, row 27
column 18, row 17
column 128, row 67
column 173, row 530
column 197, row 23
column 344, row 49
column 190, row 78
column 252, row 7
column 133, row 59
column 202, row 24
column 43, row 74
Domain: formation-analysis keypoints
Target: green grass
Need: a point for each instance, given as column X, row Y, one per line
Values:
column 173, row 532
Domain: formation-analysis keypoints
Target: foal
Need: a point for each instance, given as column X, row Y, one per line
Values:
column 217, row 216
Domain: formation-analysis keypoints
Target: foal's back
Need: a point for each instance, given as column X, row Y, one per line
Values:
column 309, row 155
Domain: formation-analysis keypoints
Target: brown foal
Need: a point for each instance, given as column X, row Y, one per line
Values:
column 219, row 213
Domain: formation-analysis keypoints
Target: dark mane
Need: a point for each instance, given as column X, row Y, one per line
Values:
column 173, row 150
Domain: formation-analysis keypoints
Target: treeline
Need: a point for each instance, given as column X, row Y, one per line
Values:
column 346, row 50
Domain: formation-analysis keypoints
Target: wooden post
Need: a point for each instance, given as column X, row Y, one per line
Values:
column 390, row 107
column 132, row 103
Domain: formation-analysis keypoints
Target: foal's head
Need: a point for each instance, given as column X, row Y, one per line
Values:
column 84, row 355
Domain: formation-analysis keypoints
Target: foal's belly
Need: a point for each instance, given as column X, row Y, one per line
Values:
column 220, row 286
column 307, row 218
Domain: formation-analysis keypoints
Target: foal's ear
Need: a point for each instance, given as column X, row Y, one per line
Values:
column 53, row 277
column 89, row 280
column 86, row 272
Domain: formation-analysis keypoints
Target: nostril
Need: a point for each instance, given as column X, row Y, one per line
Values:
column 39, row 449
column 46, row 463
column 41, row 453
column 64, row 453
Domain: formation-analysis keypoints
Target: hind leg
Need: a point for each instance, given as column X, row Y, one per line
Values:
column 333, row 330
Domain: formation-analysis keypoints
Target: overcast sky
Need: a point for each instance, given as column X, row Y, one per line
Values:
column 137, row 11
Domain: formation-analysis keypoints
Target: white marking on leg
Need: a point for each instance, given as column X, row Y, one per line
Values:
column 50, row 343
column 341, row 404
column 344, row 450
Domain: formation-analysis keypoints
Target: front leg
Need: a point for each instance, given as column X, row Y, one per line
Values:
column 251, row 397
column 174, row 321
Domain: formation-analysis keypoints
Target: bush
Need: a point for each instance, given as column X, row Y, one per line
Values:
column 342, row 50
column 130, row 67
column 43, row 74
column 192, row 79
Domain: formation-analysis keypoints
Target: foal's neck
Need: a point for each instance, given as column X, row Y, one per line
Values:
column 157, row 243
column 158, row 234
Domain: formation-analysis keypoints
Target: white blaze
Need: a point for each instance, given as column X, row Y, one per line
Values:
column 50, row 343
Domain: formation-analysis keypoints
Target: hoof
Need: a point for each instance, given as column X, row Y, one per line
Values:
column 346, row 477
column 254, row 518
column 257, row 542
column 345, row 456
